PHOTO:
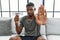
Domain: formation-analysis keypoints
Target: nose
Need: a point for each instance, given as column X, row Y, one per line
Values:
column 29, row 11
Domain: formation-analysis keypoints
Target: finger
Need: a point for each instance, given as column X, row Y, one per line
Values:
column 45, row 12
column 39, row 9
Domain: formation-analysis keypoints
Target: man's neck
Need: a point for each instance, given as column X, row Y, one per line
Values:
column 31, row 17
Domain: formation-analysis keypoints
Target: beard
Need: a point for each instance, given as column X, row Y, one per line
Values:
column 30, row 15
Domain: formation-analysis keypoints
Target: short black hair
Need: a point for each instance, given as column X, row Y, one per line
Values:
column 30, row 4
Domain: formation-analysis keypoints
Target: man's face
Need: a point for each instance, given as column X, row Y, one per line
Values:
column 30, row 10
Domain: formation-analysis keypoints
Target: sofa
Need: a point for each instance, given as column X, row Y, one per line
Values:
column 53, row 29
column 50, row 31
column 5, row 26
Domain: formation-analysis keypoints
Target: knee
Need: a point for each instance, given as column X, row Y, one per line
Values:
column 12, row 38
column 40, row 38
column 15, row 38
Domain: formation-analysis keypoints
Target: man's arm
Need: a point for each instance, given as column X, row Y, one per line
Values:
column 41, row 18
column 18, row 28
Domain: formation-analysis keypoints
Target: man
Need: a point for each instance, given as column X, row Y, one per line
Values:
column 31, row 23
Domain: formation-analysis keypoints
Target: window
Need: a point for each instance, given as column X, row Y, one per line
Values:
column 22, row 5
column 5, row 5
column 13, row 14
column 57, row 15
column 0, row 11
column 0, row 14
column 57, row 9
column 57, row 6
column 14, row 5
column 53, row 6
column 9, row 7
column 0, row 8
column 37, row 3
column 49, row 14
column 21, row 14
column 49, row 7
column 5, row 14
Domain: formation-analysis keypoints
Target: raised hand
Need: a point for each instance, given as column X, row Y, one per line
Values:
column 42, row 15
column 16, row 18
column 41, row 10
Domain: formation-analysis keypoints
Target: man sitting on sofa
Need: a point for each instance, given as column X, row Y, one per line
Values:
column 31, row 23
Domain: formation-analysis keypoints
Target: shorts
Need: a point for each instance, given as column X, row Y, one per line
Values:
column 29, row 37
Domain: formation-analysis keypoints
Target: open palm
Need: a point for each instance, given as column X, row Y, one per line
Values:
column 42, row 15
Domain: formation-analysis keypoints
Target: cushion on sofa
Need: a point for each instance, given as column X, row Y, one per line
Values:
column 5, row 26
column 53, row 26
column 53, row 37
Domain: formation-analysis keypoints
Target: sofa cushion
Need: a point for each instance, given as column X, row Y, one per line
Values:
column 53, row 37
column 5, row 37
column 53, row 26
column 5, row 26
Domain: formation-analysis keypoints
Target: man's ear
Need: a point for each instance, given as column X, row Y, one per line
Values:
column 34, row 9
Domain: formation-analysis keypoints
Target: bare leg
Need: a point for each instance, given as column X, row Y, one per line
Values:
column 41, row 38
column 15, row 38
